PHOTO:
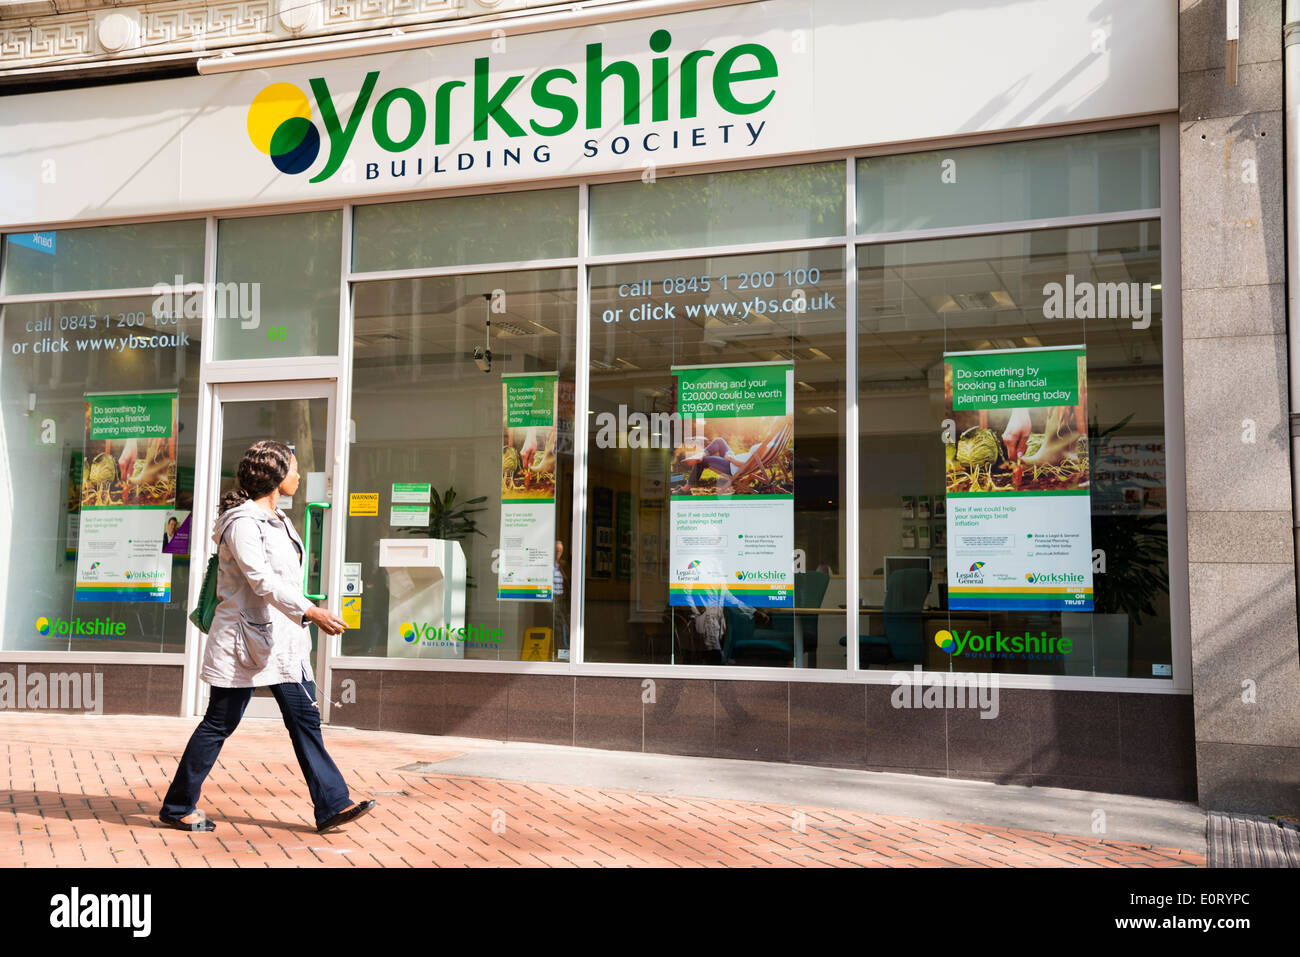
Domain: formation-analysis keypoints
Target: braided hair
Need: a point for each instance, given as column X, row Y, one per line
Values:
column 260, row 472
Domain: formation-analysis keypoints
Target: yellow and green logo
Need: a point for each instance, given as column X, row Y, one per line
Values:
column 407, row 631
column 43, row 625
column 943, row 638
column 279, row 125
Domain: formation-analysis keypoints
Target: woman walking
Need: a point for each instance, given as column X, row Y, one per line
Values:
column 259, row 638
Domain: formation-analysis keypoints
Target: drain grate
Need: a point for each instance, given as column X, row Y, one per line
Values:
column 391, row 794
column 1250, row 840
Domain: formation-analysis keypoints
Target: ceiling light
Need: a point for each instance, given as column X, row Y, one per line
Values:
column 973, row 301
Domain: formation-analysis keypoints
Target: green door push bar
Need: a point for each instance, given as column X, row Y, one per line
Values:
column 306, row 568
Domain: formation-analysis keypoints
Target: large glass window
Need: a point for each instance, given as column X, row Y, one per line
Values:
column 1070, row 481
column 1011, row 182
column 715, row 510
column 501, row 227
column 277, row 289
column 132, row 256
column 461, row 468
column 100, row 404
column 716, row 209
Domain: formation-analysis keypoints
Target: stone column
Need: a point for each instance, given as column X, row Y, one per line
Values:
column 1245, row 667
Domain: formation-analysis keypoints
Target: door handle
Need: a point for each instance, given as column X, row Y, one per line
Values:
column 306, row 567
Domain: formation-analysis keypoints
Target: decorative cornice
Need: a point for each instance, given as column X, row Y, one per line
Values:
column 102, row 31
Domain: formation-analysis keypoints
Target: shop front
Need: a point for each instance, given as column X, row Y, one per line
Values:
column 734, row 381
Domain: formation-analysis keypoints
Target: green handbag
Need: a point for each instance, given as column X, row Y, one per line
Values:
column 202, row 615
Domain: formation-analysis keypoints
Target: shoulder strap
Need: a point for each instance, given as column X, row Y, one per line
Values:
column 294, row 542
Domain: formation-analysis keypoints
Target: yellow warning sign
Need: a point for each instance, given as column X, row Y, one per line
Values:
column 363, row 503
column 352, row 611
column 537, row 645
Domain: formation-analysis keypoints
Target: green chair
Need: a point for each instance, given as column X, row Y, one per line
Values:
column 904, row 637
column 777, row 640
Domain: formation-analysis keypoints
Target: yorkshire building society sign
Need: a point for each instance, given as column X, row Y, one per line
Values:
column 774, row 78
column 402, row 124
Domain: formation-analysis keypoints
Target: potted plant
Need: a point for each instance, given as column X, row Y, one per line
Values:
column 451, row 521
column 1135, row 550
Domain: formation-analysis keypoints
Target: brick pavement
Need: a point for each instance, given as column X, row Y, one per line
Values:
column 85, row 791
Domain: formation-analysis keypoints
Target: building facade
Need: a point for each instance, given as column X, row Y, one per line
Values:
column 867, row 385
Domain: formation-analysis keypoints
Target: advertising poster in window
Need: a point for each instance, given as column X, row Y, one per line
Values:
column 1018, row 513
column 1128, row 474
column 527, row 566
column 73, row 514
column 731, row 489
column 128, row 492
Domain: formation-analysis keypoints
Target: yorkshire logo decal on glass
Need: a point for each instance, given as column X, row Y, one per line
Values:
column 80, row 627
column 1039, row 647
column 407, row 631
column 279, row 125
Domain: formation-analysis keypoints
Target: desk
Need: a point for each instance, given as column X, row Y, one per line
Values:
column 798, row 626
column 932, row 620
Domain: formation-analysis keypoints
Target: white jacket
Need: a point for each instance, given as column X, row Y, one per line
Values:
column 257, row 636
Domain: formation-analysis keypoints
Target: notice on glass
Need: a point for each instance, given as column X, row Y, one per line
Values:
column 412, row 493
column 363, row 503
column 1018, row 515
column 128, row 497
column 412, row 516
column 176, row 533
column 731, row 488
column 526, row 570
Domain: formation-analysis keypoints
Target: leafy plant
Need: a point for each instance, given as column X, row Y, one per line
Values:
column 451, row 520
column 1136, row 548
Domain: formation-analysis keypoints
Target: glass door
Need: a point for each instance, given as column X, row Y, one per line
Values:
column 301, row 415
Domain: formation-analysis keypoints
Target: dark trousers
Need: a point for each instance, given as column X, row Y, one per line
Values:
column 329, row 793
